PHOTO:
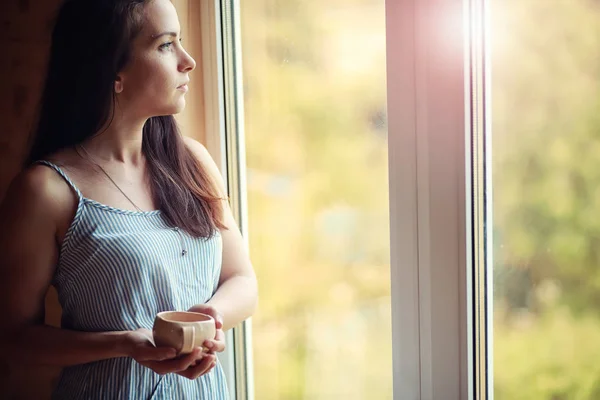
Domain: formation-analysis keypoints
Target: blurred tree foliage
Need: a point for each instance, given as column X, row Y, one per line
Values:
column 316, row 143
column 314, row 76
column 546, row 138
column 546, row 185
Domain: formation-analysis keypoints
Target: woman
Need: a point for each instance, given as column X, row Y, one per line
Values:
column 124, row 216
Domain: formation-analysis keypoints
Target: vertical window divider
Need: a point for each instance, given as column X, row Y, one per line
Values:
column 223, row 99
column 236, row 173
column 481, row 195
column 428, row 108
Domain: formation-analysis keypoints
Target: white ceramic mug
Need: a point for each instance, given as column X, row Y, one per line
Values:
column 182, row 330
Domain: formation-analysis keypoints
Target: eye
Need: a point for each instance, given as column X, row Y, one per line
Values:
column 165, row 46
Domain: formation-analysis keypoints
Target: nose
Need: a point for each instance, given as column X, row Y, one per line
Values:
column 187, row 62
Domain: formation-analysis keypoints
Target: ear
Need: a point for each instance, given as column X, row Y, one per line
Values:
column 118, row 84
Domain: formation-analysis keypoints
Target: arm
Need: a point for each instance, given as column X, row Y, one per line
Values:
column 29, row 216
column 237, row 293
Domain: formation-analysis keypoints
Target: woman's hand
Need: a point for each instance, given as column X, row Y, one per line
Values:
column 203, row 363
column 217, row 344
column 162, row 360
column 206, row 361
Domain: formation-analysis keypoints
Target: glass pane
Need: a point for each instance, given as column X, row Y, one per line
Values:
column 546, row 198
column 316, row 142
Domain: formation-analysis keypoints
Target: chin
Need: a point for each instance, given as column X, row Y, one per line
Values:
column 179, row 107
column 174, row 109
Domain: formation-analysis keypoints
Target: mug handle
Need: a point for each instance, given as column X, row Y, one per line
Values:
column 189, row 339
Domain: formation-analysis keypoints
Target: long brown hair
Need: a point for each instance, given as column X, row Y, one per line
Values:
column 91, row 44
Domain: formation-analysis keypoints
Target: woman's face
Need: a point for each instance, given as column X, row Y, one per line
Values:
column 154, row 82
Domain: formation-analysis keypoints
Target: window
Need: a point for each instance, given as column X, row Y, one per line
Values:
column 299, row 104
column 314, row 88
column 545, row 85
column 491, row 185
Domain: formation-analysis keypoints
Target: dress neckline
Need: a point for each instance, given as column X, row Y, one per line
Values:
column 106, row 207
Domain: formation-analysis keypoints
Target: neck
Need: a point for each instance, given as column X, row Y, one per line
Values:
column 120, row 142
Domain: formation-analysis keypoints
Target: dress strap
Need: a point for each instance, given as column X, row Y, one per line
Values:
column 64, row 175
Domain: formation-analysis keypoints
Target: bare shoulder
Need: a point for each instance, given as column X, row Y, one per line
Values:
column 33, row 185
column 37, row 191
column 205, row 159
column 198, row 149
column 31, row 217
column 39, row 184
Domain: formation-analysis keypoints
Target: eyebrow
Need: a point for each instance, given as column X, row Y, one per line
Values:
column 173, row 34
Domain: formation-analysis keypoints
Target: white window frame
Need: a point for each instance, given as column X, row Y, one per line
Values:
column 429, row 132
column 224, row 141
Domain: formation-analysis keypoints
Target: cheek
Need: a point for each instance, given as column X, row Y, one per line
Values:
column 153, row 78
column 151, row 87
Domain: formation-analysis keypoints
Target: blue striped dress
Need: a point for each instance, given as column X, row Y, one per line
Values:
column 117, row 269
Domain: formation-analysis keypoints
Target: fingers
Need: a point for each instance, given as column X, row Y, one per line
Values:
column 220, row 335
column 208, row 362
column 218, row 320
column 155, row 354
column 190, row 366
column 210, row 310
column 174, row 365
column 139, row 345
column 216, row 345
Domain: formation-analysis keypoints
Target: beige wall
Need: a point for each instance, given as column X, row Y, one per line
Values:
column 191, row 120
column 26, row 27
